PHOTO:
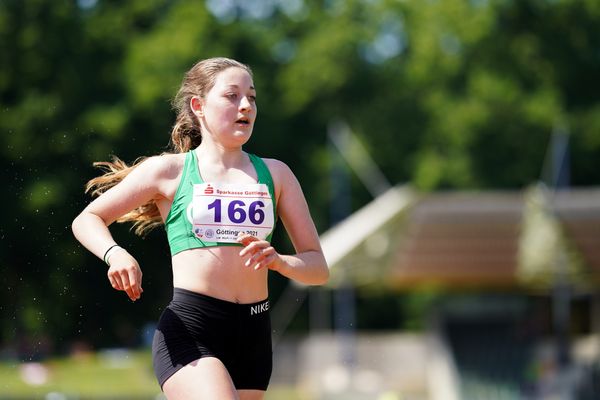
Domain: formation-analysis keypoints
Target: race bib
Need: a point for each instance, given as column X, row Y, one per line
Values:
column 219, row 212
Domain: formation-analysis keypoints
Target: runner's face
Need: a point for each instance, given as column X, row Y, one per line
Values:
column 230, row 106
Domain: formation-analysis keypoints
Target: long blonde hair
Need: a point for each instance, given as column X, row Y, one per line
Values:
column 185, row 135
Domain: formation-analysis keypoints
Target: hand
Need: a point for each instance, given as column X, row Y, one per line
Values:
column 125, row 274
column 261, row 253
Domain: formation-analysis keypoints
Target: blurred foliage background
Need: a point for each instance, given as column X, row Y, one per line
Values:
column 453, row 94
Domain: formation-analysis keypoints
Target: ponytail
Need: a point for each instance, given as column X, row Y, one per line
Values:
column 185, row 134
column 145, row 217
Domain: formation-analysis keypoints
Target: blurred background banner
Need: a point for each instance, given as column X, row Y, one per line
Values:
column 448, row 151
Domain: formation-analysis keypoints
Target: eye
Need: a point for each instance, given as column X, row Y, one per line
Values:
column 252, row 99
column 231, row 96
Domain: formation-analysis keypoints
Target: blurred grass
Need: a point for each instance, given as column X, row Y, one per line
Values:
column 117, row 374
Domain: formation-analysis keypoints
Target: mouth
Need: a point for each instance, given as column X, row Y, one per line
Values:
column 243, row 121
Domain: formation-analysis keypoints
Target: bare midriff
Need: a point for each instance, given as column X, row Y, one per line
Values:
column 219, row 272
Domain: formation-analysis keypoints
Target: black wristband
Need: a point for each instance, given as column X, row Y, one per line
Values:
column 106, row 252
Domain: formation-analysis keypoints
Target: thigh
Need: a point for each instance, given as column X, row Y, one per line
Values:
column 251, row 394
column 206, row 378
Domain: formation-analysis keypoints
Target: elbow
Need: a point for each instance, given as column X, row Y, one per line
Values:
column 80, row 223
column 75, row 225
column 322, row 277
column 325, row 278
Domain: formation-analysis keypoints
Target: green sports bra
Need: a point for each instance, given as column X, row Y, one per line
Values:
column 180, row 232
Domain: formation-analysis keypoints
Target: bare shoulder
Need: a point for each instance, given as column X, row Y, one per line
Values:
column 283, row 178
column 279, row 170
column 160, row 174
column 164, row 166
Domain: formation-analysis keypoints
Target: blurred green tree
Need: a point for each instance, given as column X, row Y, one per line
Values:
column 447, row 94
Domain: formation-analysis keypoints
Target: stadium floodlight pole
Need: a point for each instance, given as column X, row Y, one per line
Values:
column 560, row 178
column 343, row 296
column 556, row 172
column 362, row 164
column 357, row 157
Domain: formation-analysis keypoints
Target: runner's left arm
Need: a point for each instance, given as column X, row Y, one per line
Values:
column 308, row 265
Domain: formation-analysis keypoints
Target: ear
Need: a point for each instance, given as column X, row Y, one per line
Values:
column 196, row 106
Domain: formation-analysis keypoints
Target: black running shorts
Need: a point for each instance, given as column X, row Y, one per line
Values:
column 194, row 326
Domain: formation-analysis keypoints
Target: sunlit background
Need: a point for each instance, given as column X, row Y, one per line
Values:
column 449, row 151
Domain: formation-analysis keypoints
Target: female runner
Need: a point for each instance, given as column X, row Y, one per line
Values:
column 219, row 206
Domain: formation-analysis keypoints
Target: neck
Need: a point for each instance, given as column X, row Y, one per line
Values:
column 218, row 154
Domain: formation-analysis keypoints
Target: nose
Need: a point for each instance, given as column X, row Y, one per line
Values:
column 245, row 104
